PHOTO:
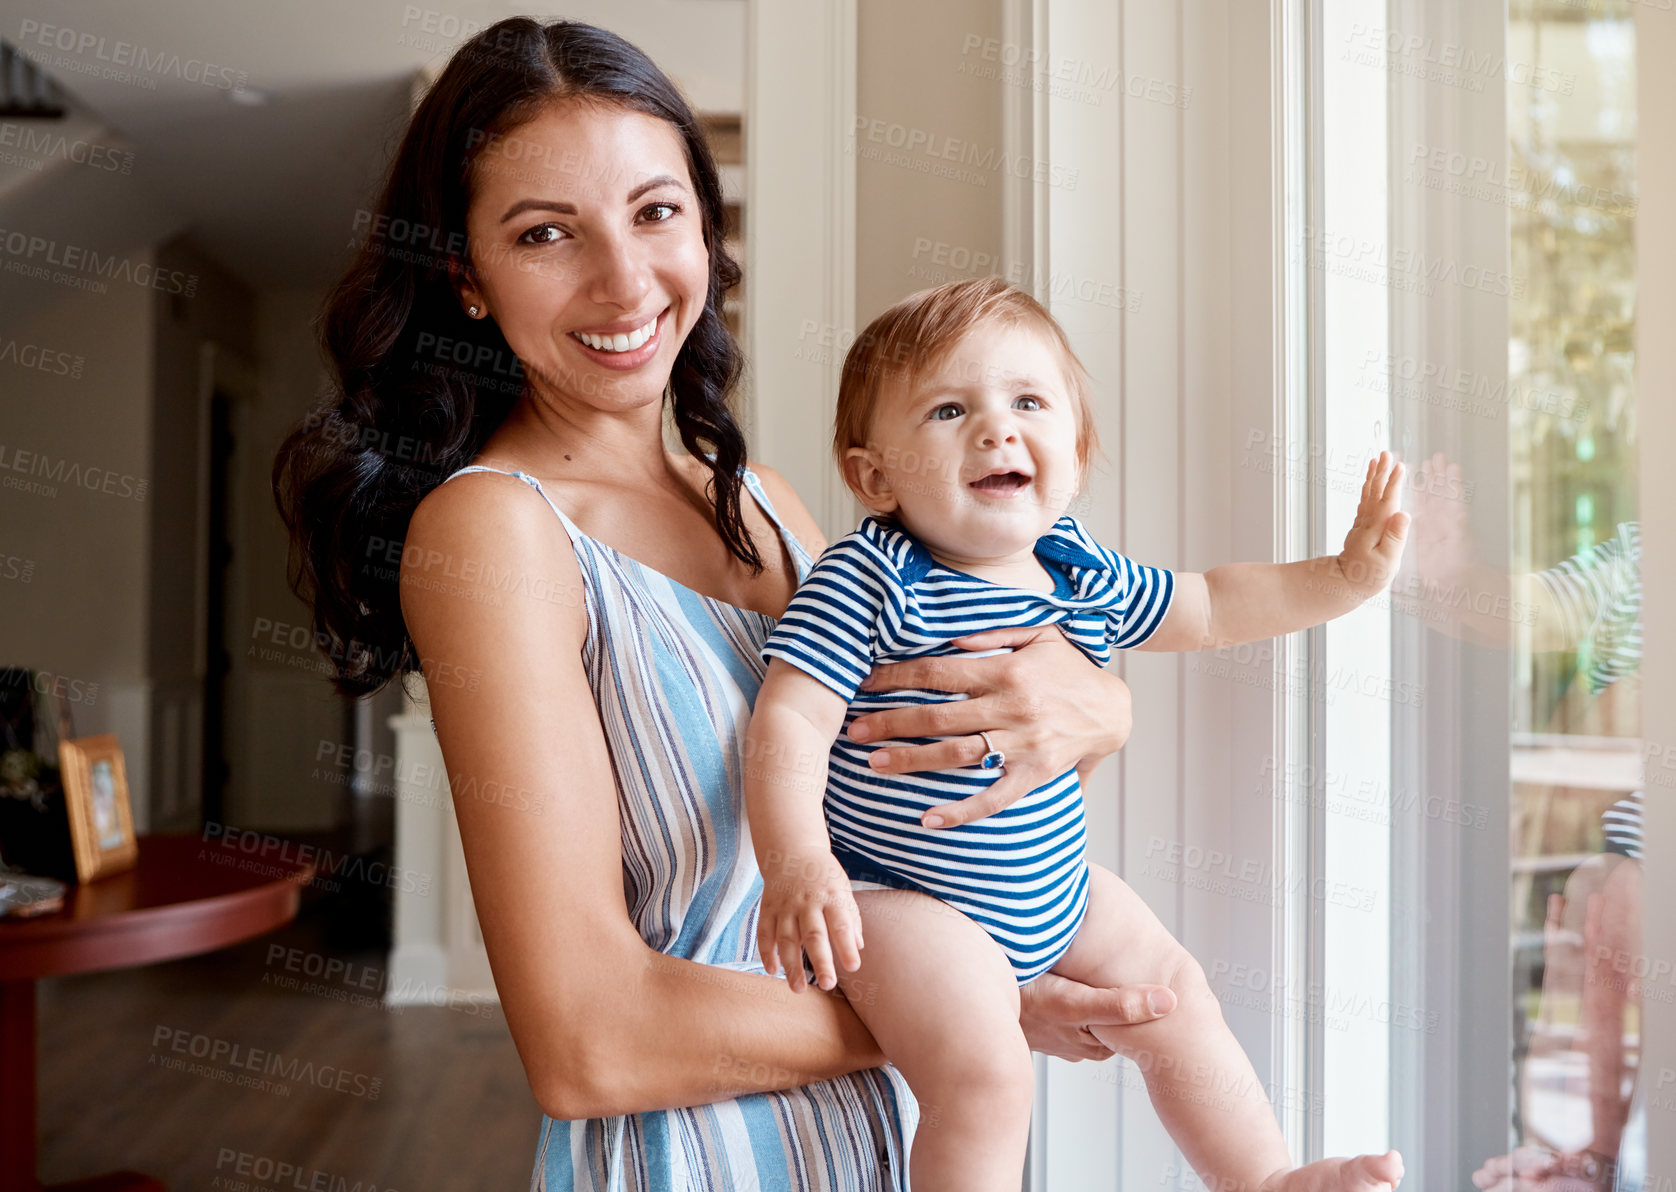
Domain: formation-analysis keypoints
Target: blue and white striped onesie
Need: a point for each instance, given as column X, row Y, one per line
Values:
column 877, row 595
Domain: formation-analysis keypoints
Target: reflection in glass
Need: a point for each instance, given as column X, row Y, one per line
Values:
column 1570, row 613
column 1576, row 764
column 1576, row 760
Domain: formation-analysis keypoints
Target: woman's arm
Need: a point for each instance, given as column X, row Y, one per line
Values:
column 604, row 1025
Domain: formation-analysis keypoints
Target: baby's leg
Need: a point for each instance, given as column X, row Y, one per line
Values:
column 1200, row 1081
column 941, row 999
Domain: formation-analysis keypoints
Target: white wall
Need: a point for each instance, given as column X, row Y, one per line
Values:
column 110, row 600
column 842, row 215
column 915, row 89
column 107, row 422
column 281, row 706
column 82, row 613
column 74, row 579
column 99, row 388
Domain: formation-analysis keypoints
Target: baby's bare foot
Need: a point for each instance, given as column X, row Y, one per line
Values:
column 1363, row 1173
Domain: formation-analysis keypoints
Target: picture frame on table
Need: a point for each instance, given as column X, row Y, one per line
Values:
column 96, row 797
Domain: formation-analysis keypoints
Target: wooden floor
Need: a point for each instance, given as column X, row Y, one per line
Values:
column 452, row 1110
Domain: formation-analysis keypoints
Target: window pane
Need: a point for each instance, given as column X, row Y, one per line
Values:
column 1576, row 752
column 1354, row 671
column 1515, row 770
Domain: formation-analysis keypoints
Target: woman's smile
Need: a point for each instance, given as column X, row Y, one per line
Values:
column 613, row 347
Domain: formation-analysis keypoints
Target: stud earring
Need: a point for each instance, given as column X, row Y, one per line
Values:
column 473, row 311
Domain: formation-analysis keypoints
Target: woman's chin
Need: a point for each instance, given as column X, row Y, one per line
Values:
column 577, row 382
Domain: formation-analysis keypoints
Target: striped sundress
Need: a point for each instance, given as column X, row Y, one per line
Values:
column 1597, row 593
column 674, row 674
column 878, row 595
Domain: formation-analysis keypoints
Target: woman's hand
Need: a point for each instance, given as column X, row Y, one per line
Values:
column 1535, row 1169
column 1056, row 1013
column 1046, row 706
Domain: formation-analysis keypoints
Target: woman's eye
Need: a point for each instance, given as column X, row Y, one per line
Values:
column 669, row 210
column 541, row 234
column 1027, row 403
column 945, row 411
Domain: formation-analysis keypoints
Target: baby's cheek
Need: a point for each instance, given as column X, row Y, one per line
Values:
column 923, row 473
column 925, row 492
column 941, row 518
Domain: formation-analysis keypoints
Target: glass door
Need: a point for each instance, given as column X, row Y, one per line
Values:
column 1474, row 761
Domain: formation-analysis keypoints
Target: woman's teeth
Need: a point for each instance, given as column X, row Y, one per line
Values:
column 626, row 342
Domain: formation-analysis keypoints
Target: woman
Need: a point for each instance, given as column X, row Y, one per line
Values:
column 543, row 278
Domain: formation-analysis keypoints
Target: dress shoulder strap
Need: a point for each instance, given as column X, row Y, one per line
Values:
column 570, row 527
column 753, row 484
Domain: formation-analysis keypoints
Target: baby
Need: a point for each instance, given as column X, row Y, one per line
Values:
column 963, row 423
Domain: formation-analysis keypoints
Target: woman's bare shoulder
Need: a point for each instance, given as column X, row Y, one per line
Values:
column 790, row 508
column 477, row 542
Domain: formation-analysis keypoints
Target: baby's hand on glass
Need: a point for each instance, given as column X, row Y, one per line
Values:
column 1373, row 548
column 808, row 906
column 1444, row 550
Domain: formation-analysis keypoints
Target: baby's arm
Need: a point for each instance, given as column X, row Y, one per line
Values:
column 807, row 903
column 1244, row 602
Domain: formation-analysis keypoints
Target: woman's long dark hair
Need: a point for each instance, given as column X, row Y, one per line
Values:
column 419, row 387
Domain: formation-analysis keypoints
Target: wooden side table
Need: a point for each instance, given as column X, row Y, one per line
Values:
column 186, row 895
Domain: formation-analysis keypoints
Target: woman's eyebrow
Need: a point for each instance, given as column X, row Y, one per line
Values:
column 563, row 208
column 653, row 184
column 523, row 205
